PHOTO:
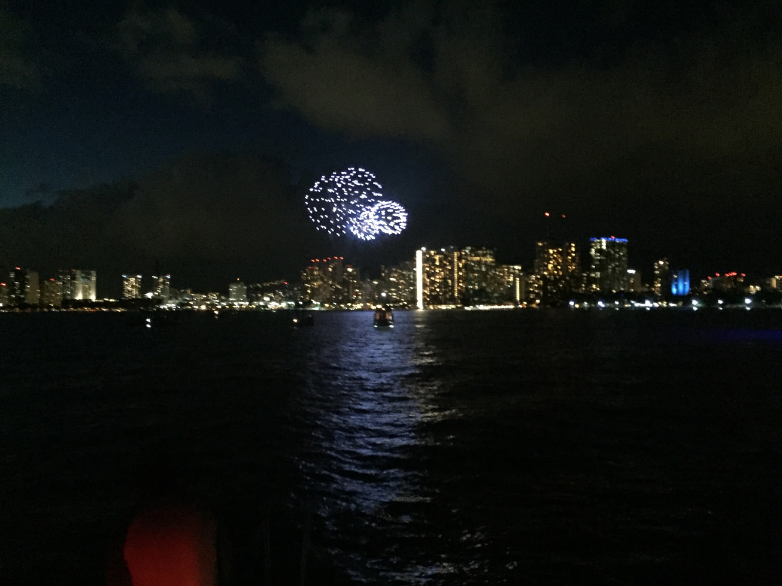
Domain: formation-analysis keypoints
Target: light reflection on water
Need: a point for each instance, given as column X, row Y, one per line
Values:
column 540, row 446
column 366, row 407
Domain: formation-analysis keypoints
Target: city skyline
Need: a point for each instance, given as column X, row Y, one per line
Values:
column 447, row 277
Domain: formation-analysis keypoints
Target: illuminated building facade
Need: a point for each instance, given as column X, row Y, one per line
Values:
column 557, row 267
column 237, row 292
column 505, row 284
column 354, row 291
column 530, row 289
column 78, row 284
column 328, row 281
column 608, row 268
column 732, row 281
column 84, row 285
column 451, row 277
column 680, row 283
column 65, row 278
column 634, row 284
column 23, row 287
column 162, row 287
column 437, row 280
column 131, row 286
column 4, row 295
column 662, row 277
column 478, row 270
column 51, row 293
column 399, row 284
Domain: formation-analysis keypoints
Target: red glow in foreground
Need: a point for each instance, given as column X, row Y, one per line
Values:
column 171, row 547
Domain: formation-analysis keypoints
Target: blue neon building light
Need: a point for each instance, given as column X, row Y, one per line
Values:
column 680, row 283
column 609, row 238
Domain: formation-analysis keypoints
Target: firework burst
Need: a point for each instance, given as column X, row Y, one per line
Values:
column 350, row 202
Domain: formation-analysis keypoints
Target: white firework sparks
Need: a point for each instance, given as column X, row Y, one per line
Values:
column 350, row 202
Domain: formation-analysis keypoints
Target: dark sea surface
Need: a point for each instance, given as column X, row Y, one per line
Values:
column 518, row 447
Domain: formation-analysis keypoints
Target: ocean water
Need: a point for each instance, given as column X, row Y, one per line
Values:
column 528, row 447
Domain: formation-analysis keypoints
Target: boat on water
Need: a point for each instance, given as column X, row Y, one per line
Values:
column 384, row 318
column 303, row 320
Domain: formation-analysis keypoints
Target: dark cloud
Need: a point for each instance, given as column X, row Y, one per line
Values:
column 169, row 52
column 519, row 130
column 364, row 86
column 18, row 66
column 204, row 218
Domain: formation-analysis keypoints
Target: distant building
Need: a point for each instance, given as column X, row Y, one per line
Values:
column 608, row 269
column 131, row 286
column 65, row 278
column 353, row 289
column 680, row 283
column 557, row 267
column 237, row 292
column 162, row 287
column 530, row 289
column 399, row 284
column 662, row 277
column 726, row 282
column 324, row 282
column 4, row 295
column 83, row 285
column 451, row 276
column 51, row 293
column 634, row 284
column 438, row 277
column 23, row 287
column 505, row 283
column 476, row 270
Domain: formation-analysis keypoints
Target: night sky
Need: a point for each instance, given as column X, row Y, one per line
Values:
column 185, row 134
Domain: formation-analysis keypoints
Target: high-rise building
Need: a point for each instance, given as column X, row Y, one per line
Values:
column 451, row 276
column 65, row 278
column 662, row 277
column 237, row 292
column 51, row 293
column 438, row 283
column 32, row 292
column 557, row 267
column 4, row 295
column 505, row 284
column 478, row 270
column 399, row 283
column 608, row 269
column 634, row 284
column 325, row 282
column 353, row 290
column 23, row 287
column 731, row 281
column 83, row 285
column 680, row 283
column 162, row 287
column 530, row 289
column 131, row 286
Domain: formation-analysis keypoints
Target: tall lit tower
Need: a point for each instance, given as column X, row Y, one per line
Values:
column 23, row 286
column 557, row 268
column 131, row 286
column 419, row 278
column 662, row 277
column 162, row 286
column 83, row 285
column 237, row 292
column 608, row 270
